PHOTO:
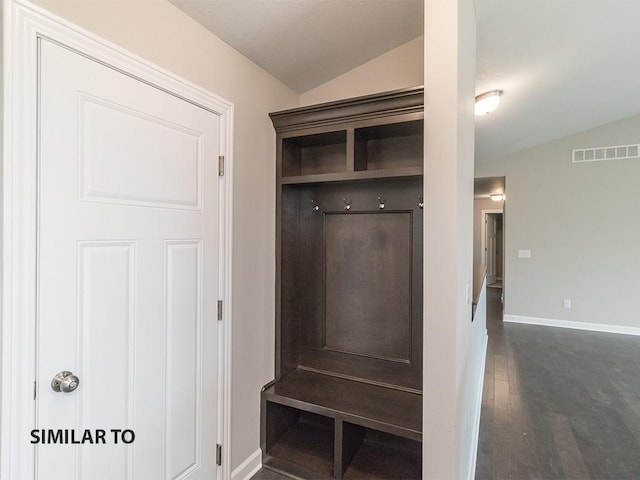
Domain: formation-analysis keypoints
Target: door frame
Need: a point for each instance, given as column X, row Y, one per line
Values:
column 24, row 24
column 483, row 231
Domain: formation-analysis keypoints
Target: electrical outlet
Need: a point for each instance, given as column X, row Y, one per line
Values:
column 566, row 303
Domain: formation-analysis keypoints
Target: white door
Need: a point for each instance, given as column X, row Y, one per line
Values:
column 490, row 247
column 128, row 276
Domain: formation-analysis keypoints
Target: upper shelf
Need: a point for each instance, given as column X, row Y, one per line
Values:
column 373, row 151
column 353, row 176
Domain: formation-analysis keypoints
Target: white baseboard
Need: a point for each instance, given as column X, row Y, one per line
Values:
column 249, row 467
column 478, row 409
column 593, row 327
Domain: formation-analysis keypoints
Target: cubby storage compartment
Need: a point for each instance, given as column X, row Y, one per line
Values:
column 314, row 154
column 299, row 440
column 389, row 146
column 351, row 280
column 371, row 454
column 376, row 430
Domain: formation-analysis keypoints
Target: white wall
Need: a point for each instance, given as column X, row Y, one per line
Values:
column 453, row 345
column 582, row 225
column 401, row 67
column 162, row 34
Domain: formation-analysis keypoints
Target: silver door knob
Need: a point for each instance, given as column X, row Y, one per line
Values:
column 64, row 382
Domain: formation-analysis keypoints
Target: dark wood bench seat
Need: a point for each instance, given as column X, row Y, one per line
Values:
column 381, row 408
column 322, row 426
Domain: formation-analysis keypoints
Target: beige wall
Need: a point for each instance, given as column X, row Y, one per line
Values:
column 581, row 223
column 453, row 345
column 162, row 34
column 401, row 67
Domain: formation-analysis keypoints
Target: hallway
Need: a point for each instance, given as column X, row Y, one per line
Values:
column 558, row 403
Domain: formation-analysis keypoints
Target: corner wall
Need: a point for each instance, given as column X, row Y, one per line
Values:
column 454, row 346
column 164, row 35
column 399, row 68
column 581, row 223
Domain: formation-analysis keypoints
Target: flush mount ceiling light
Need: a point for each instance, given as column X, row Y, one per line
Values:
column 496, row 197
column 487, row 102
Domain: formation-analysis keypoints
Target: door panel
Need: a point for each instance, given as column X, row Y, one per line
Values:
column 115, row 139
column 183, row 354
column 106, row 304
column 128, row 268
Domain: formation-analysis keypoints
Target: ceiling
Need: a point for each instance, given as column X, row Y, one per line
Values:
column 305, row 43
column 485, row 186
column 564, row 65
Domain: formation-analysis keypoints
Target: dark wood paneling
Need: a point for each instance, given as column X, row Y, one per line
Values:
column 397, row 145
column 280, row 419
column 354, row 177
column 383, row 457
column 386, row 409
column 348, row 288
column 390, row 307
column 307, row 443
column 291, row 299
column 367, row 300
column 315, row 154
column 376, row 106
column 352, row 438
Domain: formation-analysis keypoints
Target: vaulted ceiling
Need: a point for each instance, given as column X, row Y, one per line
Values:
column 564, row 65
column 305, row 43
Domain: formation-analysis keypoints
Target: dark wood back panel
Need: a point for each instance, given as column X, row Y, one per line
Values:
column 352, row 281
column 367, row 283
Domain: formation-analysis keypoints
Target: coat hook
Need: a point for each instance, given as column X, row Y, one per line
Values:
column 381, row 203
column 420, row 201
column 315, row 207
column 347, row 204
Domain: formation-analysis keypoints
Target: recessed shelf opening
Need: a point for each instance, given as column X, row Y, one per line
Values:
column 301, row 438
column 372, row 454
column 394, row 145
column 314, row 154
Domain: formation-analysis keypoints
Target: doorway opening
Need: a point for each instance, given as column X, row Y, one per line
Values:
column 489, row 230
column 493, row 249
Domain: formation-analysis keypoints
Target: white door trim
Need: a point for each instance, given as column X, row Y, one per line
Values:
column 23, row 25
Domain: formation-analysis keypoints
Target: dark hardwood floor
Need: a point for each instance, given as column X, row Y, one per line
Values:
column 266, row 474
column 558, row 403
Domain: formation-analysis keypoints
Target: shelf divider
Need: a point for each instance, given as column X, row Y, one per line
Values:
column 351, row 150
column 353, row 176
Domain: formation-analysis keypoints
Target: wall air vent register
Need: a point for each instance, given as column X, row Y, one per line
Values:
column 597, row 154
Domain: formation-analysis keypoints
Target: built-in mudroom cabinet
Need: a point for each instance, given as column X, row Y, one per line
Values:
column 347, row 398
